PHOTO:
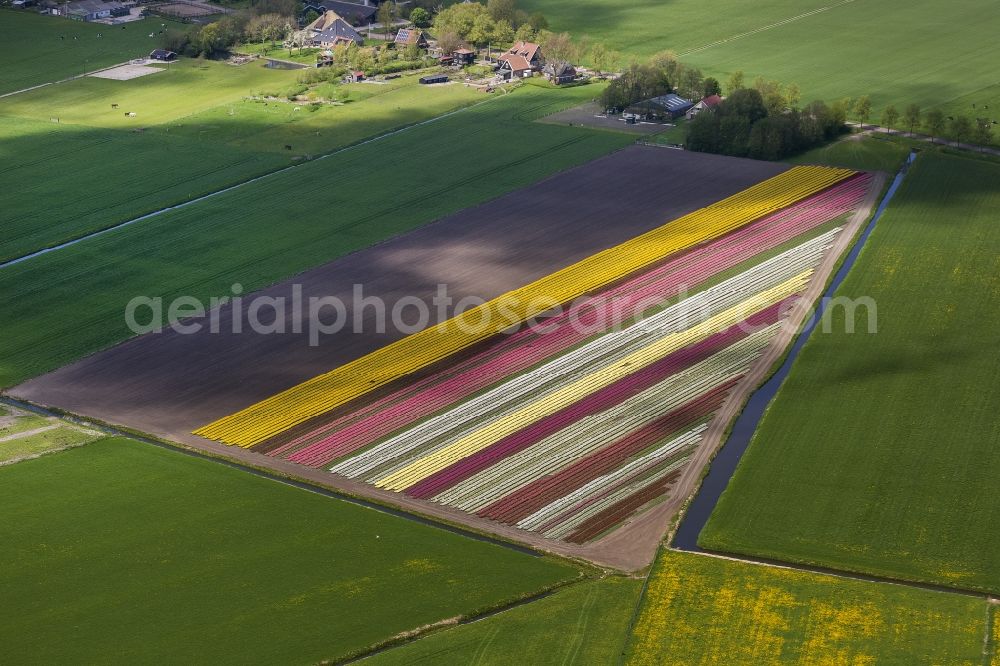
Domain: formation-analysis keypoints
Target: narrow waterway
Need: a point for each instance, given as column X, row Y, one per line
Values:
column 724, row 464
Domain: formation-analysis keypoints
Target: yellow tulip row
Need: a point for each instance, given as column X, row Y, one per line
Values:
column 320, row 394
column 576, row 391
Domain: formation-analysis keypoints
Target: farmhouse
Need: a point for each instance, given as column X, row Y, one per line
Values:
column 162, row 54
column 529, row 53
column 411, row 37
column 709, row 103
column 352, row 12
column 331, row 30
column 559, row 72
column 664, row 107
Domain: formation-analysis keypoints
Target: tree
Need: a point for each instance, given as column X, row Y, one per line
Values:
column 599, row 58
column 482, row 31
column 863, row 109
column 911, row 116
column 668, row 62
column 559, row 47
column 960, row 127
column 934, row 122
column 525, row 33
column 503, row 32
column 735, row 82
column 449, row 42
column 386, row 15
column 502, row 10
column 420, row 17
column 691, row 82
column 983, row 132
column 460, row 19
column 267, row 27
column 710, row 86
column 889, row 117
column 538, row 21
column 793, row 95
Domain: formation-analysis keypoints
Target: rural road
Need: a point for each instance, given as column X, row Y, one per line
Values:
column 876, row 129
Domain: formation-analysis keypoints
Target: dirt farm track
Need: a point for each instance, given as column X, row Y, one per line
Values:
column 168, row 384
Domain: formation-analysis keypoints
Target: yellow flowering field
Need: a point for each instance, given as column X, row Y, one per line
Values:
column 706, row 610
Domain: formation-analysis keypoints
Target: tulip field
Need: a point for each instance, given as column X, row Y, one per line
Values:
column 325, row 392
column 568, row 427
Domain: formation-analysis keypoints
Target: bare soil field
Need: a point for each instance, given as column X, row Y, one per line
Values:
column 591, row 115
column 167, row 384
column 126, row 72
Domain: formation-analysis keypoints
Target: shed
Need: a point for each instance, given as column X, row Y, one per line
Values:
column 162, row 54
column 559, row 72
column 464, row 56
column 434, row 78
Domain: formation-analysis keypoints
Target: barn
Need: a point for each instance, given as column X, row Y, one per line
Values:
column 664, row 107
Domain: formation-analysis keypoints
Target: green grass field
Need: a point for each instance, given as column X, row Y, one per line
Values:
column 863, row 153
column 705, row 610
column 72, row 180
column 586, row 623
column 38, row 49
column 371, row 109
column 879, row 452
column 61, row 196
column 181, row 89
column 139, row 552
column 897, row 51
column 63, row 305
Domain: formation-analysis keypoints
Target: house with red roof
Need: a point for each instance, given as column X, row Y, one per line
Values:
column 709, row 102
column 520, row 61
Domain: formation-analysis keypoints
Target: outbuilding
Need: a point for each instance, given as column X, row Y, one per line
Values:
column 464, row 56
column 664, row 107
column 410, row 37
column 434, row 78
column 559, row 72
column 163, row 55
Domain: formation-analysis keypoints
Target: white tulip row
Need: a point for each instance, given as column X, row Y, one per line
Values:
column 601, row 484
column 593, row 432
column 435, row 433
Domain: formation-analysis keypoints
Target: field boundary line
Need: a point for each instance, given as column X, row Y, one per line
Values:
column 229, row 188
column 68, row 78
column 406, row 638
column 836, row 573
column 301, row 484
column 777, row 24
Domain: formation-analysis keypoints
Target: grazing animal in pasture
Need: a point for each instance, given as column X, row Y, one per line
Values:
column 287, row 147
column 114, row 106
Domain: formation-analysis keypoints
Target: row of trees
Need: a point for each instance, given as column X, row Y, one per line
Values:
column 934, row 122
column 748, row 124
